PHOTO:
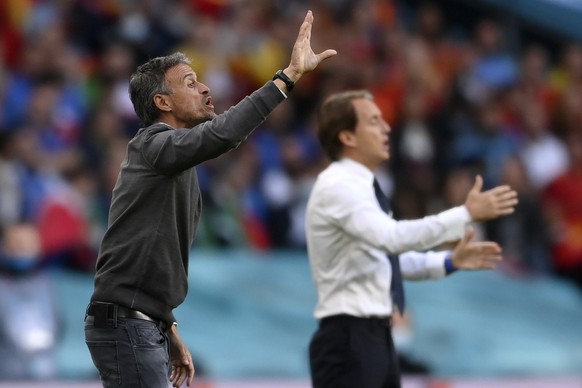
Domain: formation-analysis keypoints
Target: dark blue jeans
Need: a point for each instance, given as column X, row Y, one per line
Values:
column 133, row 353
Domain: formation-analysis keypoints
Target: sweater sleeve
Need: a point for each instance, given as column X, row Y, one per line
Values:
column 171, row 151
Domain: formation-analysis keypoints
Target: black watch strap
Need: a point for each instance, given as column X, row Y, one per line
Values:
column 283, row 77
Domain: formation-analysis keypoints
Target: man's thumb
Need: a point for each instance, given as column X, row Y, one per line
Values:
column 469, row 234
column 478, row 184
column 326, row 54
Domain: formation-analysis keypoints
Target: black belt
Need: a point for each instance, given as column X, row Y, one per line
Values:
column 350, row 319
column 102, row 312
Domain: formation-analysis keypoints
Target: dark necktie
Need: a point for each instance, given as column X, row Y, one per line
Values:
column 396, row 286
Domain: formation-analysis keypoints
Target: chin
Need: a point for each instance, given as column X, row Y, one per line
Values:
column 210, row 116
column 202, row 120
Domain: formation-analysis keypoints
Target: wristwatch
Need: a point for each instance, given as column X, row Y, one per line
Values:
column 283, row 77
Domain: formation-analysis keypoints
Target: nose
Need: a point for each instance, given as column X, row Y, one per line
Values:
column 387, row 127
column 204, row 89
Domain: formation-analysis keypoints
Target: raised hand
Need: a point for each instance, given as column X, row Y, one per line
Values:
column 303, row 59
column 471, row 255
column 486, row 205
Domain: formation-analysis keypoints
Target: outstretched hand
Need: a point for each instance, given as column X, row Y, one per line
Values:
column 486, row 205
column 303, row 59
column 471, row 255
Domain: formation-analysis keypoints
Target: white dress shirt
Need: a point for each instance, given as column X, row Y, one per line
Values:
column 348, row 237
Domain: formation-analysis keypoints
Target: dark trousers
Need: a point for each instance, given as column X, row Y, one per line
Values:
column 129, row 353
column 351, row 352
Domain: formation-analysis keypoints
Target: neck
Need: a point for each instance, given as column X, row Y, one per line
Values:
column 171, row 121
column 357, row 158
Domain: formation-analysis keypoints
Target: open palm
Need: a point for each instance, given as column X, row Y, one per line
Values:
column 303, row 59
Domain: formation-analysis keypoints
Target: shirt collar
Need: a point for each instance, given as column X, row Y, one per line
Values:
column 357, row 168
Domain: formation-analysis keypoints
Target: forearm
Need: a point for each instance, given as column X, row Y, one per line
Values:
column 230, row 128
column 177, row 150
column 383, row 232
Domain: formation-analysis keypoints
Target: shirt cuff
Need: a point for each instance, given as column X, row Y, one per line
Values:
column 456, row 221
column 449, row 266
column 435, row 264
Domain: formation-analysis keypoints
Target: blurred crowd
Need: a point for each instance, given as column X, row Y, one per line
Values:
column 461, row 98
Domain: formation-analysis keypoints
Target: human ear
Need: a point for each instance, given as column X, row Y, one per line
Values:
column 347, row 138
column 162, row 102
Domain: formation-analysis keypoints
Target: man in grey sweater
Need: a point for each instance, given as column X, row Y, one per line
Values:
column 142, row 268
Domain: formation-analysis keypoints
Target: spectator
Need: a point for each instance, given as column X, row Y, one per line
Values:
column 10, row 188
column 493, row 67
column 486, row 140
column 67, row 231
column 523, row 235
column 29, row 314
column 543, row 154
column 111, row 82
column 564, row 214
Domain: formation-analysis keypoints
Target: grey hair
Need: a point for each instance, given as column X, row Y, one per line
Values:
column 149, row 80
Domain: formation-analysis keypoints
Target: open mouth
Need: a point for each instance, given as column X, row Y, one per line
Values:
column 209, row 102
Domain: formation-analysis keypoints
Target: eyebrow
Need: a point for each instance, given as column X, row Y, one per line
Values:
column 191, row 74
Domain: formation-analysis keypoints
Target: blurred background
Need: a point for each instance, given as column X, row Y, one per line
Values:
column 468, row 86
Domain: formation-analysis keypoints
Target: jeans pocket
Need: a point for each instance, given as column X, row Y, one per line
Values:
column 106, row 360
column 149, row 336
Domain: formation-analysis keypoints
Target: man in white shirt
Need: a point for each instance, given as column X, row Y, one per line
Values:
column 350, row 235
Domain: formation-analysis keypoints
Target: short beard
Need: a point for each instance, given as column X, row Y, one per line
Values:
column 200, row 120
